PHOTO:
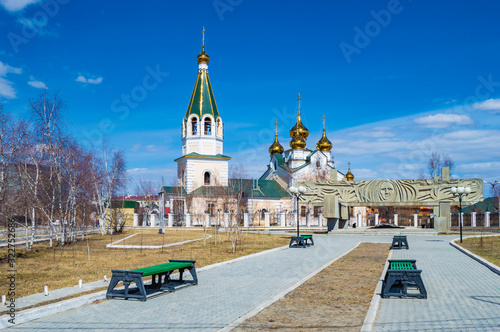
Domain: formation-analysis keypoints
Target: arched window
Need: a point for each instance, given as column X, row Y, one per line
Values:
column 194, row 126
column 206, row 178
column 318, row 163
column 263, row 214
column 302, row 211
column 218, row 128
column 208, row 126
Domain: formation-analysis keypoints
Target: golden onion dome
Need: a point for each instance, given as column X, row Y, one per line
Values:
column 203, row 57
column 324, row 144
column 349, row 176
column 299, row 129
column 298, row 143
column 276, row 147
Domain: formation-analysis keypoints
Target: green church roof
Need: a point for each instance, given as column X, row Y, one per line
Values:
column 202, row 99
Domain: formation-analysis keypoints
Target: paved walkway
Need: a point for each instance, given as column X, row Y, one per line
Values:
column 463, row 295
column 222, row 295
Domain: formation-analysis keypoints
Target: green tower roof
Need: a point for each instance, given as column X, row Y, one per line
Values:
column 202, row 99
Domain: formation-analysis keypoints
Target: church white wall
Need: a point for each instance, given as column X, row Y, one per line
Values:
column 197, row 167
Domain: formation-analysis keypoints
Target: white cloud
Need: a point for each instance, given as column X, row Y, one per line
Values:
column 155, row 148
column 5, row 69
column 6, row 87
column 16, row 5
column 441, row 120
column 82, row 79
column 37, row 84
column 377, row 132
column 37, row 26
column 492, row 105
column 487, row 166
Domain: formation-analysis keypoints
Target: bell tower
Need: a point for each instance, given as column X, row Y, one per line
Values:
column 202, row 162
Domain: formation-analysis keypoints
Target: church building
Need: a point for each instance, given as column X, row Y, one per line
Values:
column 205, row 191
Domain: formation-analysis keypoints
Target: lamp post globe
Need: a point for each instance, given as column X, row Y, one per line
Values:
column 453, row 190
column 467, row 190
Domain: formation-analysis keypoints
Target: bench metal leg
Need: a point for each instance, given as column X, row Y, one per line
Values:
column 299, row 242
column 396, row 283
column 127, row 277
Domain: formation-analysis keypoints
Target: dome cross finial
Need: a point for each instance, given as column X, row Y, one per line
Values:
column 323, row 118
column 276, row 126
column 298, row 99
column 203, row 40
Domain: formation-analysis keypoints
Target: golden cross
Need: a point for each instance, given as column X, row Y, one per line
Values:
column 323, row 118
column 276, row 125
column 349, row 163
column 298, row 99
column 203, row 43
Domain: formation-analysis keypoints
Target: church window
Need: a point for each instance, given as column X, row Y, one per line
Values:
column 194, row 126
column 263, row 214
column 302, row 211
column 318, row 163
column 218, row 128
column 206, row 178
column 208, row 126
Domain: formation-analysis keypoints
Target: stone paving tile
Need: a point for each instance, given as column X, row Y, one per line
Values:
column 463, row 295
column 223, row 294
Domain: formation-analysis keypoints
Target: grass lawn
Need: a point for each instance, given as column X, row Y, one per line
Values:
column 89, row 260
column 488, row 247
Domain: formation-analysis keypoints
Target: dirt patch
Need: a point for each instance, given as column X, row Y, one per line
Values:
column 337, row 298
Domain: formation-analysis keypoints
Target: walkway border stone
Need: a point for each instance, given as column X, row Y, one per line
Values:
column 371, row 315
column 481, row 260
column 124, row 246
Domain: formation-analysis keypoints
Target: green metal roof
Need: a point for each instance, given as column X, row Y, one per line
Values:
column 267, row 189
column 202, row 99
column 169, row 190
column 203, row 156
column 119, row 204
column 488, row 205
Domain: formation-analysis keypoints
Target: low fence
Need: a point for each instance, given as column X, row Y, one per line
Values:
column 476, row 219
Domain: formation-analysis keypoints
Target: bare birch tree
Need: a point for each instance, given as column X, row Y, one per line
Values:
column 108, row 176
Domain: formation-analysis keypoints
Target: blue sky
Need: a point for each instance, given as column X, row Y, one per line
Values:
column 397, row 80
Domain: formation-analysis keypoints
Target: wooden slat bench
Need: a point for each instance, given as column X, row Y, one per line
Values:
column 401, row 275
column 302, row 241
column 156, row 271
column 399, row 242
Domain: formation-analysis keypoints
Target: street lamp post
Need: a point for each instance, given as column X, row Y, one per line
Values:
column 460, row 191
column 297, row 192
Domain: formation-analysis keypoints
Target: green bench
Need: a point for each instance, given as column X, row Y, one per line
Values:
column 399, row 242
column 157, row 272
column 401, row 276
column 301, row 241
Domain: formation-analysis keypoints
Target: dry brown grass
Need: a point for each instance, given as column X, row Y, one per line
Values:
column 62, row 267
column 488, row 247
column 337, row 298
